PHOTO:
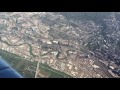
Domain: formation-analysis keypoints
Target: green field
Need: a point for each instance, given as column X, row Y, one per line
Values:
column 21, row 65
column 54, row 73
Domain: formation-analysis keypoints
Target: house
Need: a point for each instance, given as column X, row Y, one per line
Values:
column 56, row 42
column 64, row 42
column 46, row 41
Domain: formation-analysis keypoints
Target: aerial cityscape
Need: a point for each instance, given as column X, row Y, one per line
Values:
column 61, row 44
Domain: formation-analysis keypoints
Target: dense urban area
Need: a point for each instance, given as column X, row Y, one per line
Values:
column 61, row 44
